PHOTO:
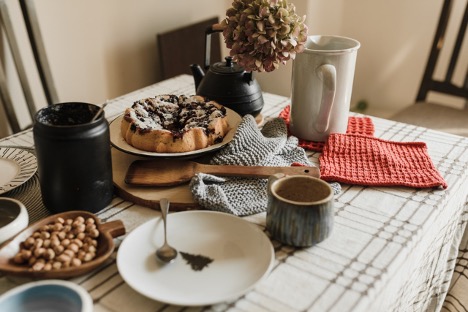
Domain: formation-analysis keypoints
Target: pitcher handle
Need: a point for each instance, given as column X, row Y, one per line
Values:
column 327, row 74
column 210, row 30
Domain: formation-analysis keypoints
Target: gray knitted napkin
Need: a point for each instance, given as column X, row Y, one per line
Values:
column 249, row 147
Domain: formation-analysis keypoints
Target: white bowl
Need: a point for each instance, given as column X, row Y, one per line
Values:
column 47, row 295
column 13, row 218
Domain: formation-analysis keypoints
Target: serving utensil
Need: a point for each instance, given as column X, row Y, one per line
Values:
column 165, row 253
column 98, row 113
column 174, row 172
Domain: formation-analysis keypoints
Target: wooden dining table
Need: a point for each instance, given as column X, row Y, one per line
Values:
column 393, row 248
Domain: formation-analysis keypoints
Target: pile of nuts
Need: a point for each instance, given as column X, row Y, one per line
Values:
column 60, row 244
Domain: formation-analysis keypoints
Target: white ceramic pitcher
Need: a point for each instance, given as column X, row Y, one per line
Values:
column 322, row 83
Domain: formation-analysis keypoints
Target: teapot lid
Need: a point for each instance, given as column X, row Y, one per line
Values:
column 228, row 67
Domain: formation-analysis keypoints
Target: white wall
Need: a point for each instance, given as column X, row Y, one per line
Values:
column 102, row 49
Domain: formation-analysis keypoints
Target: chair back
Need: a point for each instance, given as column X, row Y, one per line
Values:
column 7, row 24
column 181, row 47
column 445, row 85
column 28, row 10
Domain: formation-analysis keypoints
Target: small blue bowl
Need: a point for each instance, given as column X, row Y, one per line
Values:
column 47, row 295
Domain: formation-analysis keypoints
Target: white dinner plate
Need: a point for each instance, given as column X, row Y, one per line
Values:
column 241, row 254
column 118, row 141
column 16, row 167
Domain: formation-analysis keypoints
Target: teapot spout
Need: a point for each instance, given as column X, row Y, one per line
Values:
column 197, row 73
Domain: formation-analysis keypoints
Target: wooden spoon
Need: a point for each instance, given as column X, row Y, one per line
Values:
column 105, row 247
column 173, row 172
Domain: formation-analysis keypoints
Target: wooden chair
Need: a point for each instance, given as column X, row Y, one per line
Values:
column 434, row 115
column 35, row 38
column 180, row 48
column 32, row 26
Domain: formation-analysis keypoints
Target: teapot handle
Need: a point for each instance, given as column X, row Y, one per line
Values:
column 210, row 30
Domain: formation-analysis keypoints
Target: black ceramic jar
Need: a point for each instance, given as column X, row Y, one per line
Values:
column 74, row 158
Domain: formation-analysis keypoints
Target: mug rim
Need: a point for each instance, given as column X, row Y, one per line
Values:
column 356, row 44
column 85, row 302
column 328, row 198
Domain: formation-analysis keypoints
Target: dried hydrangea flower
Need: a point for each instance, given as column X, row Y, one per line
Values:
column 262, row 34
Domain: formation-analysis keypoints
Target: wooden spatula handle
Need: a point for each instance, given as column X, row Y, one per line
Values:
column 168, row 173
column 256, row 171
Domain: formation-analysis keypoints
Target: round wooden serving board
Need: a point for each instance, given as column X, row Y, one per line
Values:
column 179, row 196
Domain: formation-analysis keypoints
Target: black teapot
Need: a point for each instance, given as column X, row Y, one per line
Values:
column 227, row 83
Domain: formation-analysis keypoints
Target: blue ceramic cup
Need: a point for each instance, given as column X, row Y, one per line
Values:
column 47, row 295
column 300, row 209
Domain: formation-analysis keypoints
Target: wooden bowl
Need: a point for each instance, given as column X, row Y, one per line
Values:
column 107, row 232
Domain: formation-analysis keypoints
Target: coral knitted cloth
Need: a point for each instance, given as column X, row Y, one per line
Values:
column 365, row 160
column 356, row 125
column 359, row 158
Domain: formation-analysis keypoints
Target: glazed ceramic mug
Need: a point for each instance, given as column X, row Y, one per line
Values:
column 322, row 83
column 300, row 209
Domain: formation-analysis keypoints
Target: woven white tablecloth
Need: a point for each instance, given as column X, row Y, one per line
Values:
column 392, row 248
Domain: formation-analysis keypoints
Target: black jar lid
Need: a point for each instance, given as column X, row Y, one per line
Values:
column 66, row 114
